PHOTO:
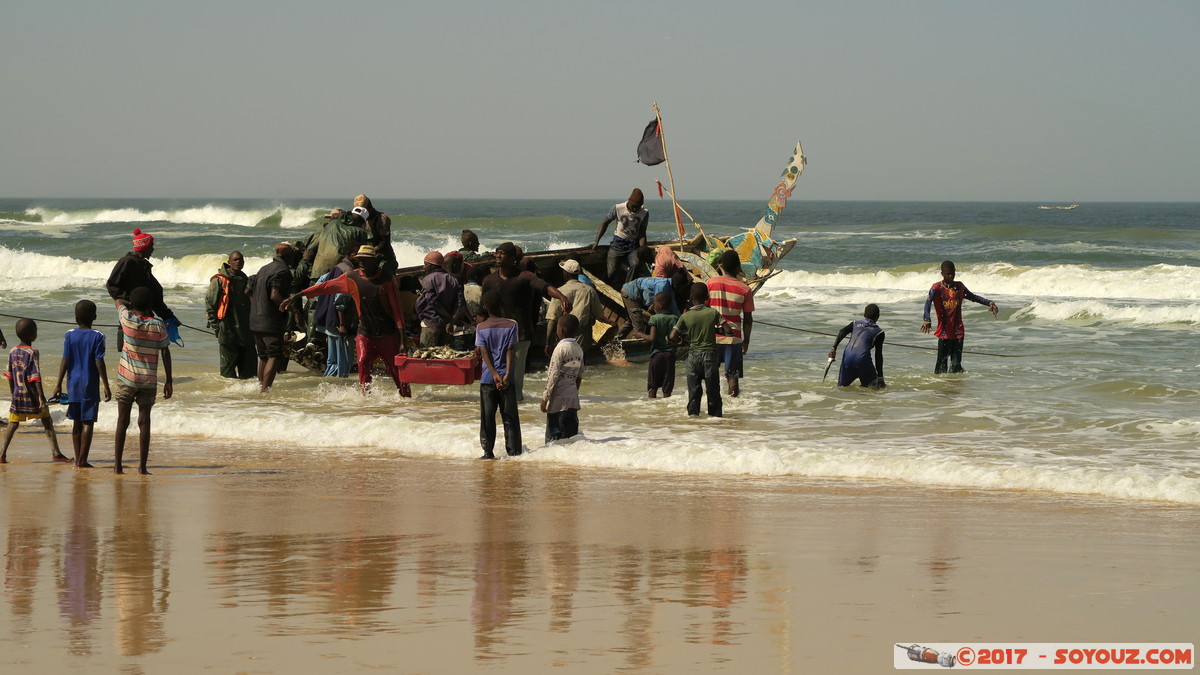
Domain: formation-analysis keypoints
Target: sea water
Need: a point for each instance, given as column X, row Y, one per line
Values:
column 1087, row 383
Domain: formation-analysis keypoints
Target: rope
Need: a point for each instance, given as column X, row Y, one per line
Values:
column 101, row 325
column 896, row 344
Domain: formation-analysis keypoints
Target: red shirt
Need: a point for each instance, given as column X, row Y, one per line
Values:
column 732, row 299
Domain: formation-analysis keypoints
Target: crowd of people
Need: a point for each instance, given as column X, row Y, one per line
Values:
column 350, row 268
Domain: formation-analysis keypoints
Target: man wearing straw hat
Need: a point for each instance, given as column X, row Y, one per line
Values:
column 380, row 321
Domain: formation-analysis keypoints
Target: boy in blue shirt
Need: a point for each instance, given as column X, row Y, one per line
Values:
column 83, row 366
column 495, row 342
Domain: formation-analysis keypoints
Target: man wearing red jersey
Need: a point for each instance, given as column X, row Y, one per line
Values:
column 946, row 298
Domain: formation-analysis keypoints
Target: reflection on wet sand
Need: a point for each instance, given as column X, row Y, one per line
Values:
column 79, row 576
column 140, row 571
column 501, row 557
column 26, row 506
column 434, row 567
column 307, row 583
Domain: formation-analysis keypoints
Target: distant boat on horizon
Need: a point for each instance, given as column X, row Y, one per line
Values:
column 1060, row 208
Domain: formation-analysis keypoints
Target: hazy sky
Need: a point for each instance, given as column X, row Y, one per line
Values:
column 957, row 100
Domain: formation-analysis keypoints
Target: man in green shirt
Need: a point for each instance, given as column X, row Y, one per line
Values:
column 700, row 323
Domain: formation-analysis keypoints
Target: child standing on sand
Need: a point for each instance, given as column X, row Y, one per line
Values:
column 145, row 341
column 660, row 373
column 24, row 377
column 83, row 366
column 560, row 402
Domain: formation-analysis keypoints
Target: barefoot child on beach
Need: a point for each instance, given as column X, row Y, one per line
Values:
column 660, row 373
column 145, row 341
column 83, row 367
column 24, row 377
column 560, row 402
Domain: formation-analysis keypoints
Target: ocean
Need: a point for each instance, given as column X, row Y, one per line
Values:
column 1090, row 386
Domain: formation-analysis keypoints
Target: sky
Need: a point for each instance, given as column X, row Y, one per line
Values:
column 1046, row 100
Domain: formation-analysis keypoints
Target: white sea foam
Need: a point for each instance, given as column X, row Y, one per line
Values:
column 1156, row 282
column 25, row 272
column 204, row 215
column 1095, row 310
column 704, row 449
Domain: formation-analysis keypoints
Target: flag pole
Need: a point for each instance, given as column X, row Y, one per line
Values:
column 671, row 179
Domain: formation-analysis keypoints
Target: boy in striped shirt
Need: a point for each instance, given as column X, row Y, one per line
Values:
column 145, row 341
column 732, row 298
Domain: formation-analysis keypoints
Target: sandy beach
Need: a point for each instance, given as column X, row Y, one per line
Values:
column 246, row 559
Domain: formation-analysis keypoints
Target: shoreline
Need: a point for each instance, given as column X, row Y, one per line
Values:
column 314, row 561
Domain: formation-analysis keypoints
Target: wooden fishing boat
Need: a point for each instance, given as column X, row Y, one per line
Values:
column 759, row 252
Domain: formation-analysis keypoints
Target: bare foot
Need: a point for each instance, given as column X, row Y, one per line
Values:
column 62, row 459
column 119, row 469
column 84, row 465
column 3, row 460
column 143, row 471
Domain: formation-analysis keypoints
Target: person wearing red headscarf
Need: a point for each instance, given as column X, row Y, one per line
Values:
column 134, row 270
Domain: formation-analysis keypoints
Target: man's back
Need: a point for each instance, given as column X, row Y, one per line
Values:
column 700, row 325
column 145, row 338
column 732, row 299
column 265, row 316
column 496, row 335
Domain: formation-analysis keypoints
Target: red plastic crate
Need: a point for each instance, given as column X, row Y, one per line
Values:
column 439, row 371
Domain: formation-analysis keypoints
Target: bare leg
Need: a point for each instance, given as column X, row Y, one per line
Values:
column 85, row 445
column 123, row 409
column 77, row 439
column 55, row 454
column 144, row 429
column 267, row 370
column 734, row 389
column 8, row 434
column 653, row 393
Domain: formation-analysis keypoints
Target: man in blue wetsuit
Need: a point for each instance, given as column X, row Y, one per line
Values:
column 864, row 334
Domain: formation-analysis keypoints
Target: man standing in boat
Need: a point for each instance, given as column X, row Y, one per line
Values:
column 632, row 219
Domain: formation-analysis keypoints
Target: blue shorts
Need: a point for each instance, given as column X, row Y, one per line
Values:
column 731, row 356
column 83, row 411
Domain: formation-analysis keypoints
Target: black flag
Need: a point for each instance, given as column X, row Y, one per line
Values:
column 650, row 150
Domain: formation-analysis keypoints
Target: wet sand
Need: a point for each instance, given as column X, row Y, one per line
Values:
column 258, row 559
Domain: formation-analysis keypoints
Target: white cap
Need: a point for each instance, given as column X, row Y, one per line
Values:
column 570, row 266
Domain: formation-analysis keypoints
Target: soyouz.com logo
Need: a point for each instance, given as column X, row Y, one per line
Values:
column 1045, row 656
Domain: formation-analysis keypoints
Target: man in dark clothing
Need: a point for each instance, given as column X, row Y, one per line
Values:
column 228, row 309
column 380, row 321
column 267, row 318
column 343, row 232
column 440, row 302
column 865, row 336
column 379, row 229
column 134, row 270
column 470, row 247
column 517, row 291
